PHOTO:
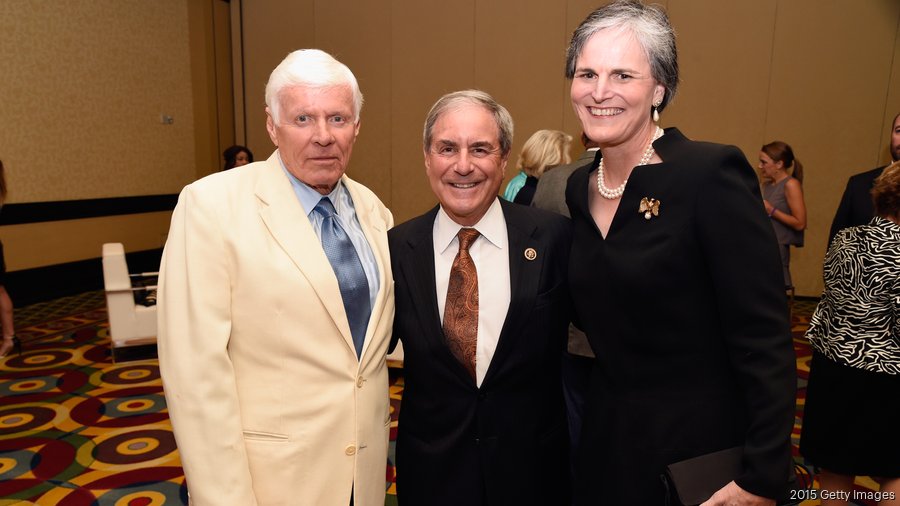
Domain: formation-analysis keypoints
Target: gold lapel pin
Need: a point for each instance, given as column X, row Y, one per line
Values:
column 650, row 207
column 530, row 254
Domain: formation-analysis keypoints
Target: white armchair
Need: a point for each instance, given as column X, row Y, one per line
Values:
column 130, row 324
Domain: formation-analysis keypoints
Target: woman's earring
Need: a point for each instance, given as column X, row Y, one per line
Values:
column 656, row 112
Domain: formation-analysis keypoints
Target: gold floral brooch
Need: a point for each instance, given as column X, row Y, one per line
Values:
column 650, row 207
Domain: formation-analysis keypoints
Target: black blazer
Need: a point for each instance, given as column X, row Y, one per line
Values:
column 856, row 206
column 687, row 316
column 506, row 442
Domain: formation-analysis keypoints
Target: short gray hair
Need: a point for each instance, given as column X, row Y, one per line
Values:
column 652, row 30
column 475, row 97
column 311, row 68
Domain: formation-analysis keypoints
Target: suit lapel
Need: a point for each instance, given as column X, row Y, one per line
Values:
column 419, row 275
column 374, row 228
column 283, row 216
column 524, row 278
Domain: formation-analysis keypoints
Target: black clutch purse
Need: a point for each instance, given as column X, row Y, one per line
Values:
column 692, row 481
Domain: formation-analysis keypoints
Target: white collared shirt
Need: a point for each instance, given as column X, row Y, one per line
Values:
column 490, row 252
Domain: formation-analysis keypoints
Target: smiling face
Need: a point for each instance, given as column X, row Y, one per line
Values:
column 315, row 133
column 613, row 90
column 464, row 163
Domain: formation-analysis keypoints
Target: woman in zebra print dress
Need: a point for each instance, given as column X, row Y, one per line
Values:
column 852, row 408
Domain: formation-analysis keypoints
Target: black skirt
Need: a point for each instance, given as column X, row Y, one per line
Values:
column 850, row 420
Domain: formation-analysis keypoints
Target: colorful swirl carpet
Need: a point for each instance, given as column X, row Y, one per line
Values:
column 77, row 429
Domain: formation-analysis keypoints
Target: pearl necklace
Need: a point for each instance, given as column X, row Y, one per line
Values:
column 614, row 193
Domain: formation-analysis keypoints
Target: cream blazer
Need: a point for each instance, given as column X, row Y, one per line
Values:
column 269, row 403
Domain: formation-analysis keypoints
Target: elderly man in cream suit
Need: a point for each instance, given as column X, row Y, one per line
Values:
column 271, row 345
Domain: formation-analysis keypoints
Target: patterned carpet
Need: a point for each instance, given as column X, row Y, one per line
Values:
column 78, row 430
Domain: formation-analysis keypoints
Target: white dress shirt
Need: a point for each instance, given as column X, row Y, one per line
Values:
column 490, row 252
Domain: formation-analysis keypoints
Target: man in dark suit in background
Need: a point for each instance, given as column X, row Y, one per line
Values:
column 578, row 359
column 856, row 203
column 482, row 307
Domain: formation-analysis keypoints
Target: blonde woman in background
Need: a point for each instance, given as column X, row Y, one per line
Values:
column 10, row 341
column 783, row 198
column 542, row 151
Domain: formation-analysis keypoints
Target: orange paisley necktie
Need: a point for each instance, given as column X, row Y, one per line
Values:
column 461, row 307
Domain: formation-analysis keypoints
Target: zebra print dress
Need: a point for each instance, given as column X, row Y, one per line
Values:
column 857, row 321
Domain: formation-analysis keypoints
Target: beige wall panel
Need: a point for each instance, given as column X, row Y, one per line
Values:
column 83, row 88
column 203, row 88
column 831, row 68
column 892, row 107
column 56, row 242
column 518, row 60
column 433, row 53
column 724, row 56
column 237, row 70
column 368, row 54
column 271, row 29
column 224, row 98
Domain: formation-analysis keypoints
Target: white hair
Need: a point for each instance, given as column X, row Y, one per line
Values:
column 311, row 68
column 649, row 24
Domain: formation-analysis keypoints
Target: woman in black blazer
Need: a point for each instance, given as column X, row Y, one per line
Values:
column 676, row 280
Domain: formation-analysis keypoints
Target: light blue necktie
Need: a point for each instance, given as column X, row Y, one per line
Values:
column 349, row 272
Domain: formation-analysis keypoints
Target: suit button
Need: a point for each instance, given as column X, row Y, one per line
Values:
column 350, row 449
column 482, row 395
column 359, row 382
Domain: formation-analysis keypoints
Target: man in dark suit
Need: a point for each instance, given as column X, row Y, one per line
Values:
column 856, row 203
column 482, row 308
column 550, row 194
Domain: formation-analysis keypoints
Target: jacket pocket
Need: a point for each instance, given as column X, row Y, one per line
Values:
column 546, row 298
column 265, row 436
